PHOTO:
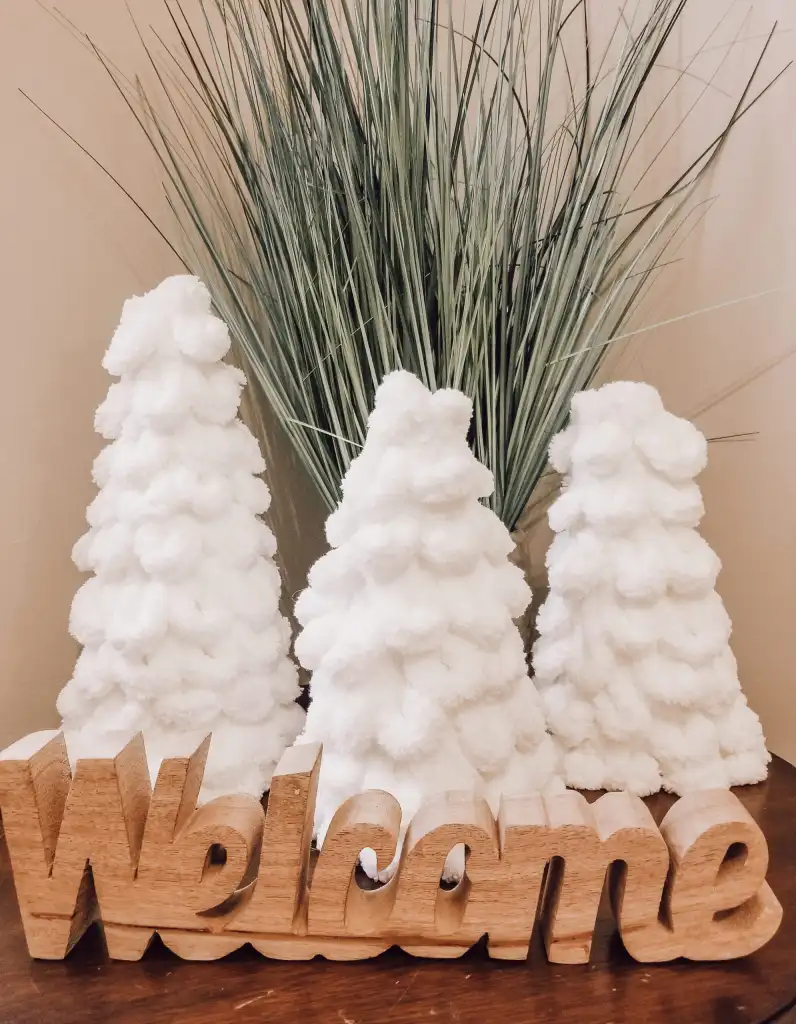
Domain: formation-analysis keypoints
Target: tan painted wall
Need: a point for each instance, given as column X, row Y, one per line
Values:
column 734, row 370
column 74, row 248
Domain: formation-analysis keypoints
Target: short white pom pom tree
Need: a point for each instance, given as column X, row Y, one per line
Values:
column 633, row 662
column 419, row 682
column 180, row 624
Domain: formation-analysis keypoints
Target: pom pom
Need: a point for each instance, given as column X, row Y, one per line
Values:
column 385, row 549
column 601, row 449
column 90, row 679
column 570, row 719
column 309, row 605
column 411, row 728
column 673, row 447
column 712, row 774
column 428, row 674
column 584, row 768
column 614, row 505
column 412, row 629
column 621, row 712
column 452, row 409
column 252, row 492
column 740, row 732
column 467, row 669
column 168, row 550
column 401, row 404
column 181, row 291
column 136, row 615
column 560, row 452
column 693, row 565
column 133, row 460
column 566, row 512
column 449, row 548
column 629, row 402
column 576, row 564
column 334, row 574
column 249, row 700
column 515, row 592
column 452, row 479
column 632, row 770
column 640, row 567
column 107, row 550
column 418, row 669
column 112, row 413
column 71, row 702
column 528, row 720
column 632, row 659
column 135, row 339
column 693, row 739
column 181, row 626
column 86, row 618
column 316, row 639
column 203, row 338
column 348, row 724
column 340, row 526
column 162, row 396
column 188, row 709
column 697, row 630
column 554, row 618
column 675, row 504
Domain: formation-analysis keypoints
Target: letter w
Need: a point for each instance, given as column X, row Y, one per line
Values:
column 72, row 841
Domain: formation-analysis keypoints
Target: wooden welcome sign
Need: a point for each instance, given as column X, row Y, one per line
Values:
column 102, row 845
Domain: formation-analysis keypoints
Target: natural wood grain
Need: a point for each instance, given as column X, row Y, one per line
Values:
column 176, row 880
column 584, row 841
column 87, row 988
column 720, row 904
column 104, row 811
column 33, row 794
column 427, row 919
column 338, row 906
column 211, row 879
column 640, row 867
column 514, row 894
column 279, row 902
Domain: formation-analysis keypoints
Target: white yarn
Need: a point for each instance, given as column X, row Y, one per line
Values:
column 180, row 623
column 633, row 661
column 419, row 680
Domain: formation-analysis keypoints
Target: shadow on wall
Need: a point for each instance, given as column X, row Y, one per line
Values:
column 297, row 514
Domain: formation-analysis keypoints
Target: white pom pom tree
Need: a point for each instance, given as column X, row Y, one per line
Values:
column 633, row 661
column 180, row 624
column 419, row 682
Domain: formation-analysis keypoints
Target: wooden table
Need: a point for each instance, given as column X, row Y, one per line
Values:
column 396, row 989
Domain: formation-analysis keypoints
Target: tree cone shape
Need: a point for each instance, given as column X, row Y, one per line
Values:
column 419, row 680
column 180, row 623
column 633, row 662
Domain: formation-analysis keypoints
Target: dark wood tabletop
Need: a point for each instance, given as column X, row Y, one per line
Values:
column 87, row 988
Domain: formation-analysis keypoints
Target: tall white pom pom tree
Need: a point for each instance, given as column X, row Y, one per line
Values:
column 180, row 624
column 419, row 682
column 633, row 661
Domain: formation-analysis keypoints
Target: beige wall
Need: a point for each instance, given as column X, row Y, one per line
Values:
column 734, row 370
column 74, row 248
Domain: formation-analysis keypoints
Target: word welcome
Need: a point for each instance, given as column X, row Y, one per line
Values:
column 101, row 844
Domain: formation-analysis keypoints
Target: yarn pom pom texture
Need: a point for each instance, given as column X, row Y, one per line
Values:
column 180, row 624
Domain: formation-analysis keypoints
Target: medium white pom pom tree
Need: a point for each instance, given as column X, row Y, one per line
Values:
column 633, row 661
column 419, row 682
column 180, row 623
